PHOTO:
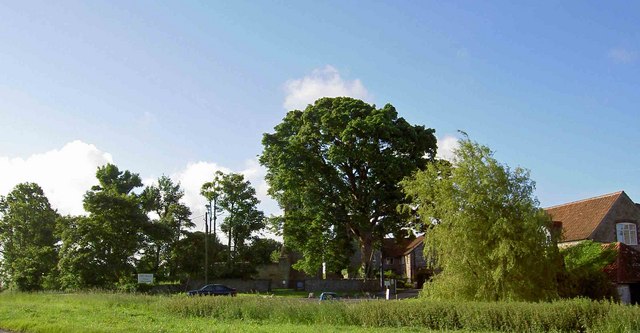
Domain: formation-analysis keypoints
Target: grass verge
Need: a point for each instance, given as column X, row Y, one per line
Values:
column 105, row 312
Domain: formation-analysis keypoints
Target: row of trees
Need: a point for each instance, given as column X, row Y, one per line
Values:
column 127, row 230
column 347, row 175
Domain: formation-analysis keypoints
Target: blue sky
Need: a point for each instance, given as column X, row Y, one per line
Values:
column 185, row 88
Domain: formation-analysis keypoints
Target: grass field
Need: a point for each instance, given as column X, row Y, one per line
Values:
column 110, row 312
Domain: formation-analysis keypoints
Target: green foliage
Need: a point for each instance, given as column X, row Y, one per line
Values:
column 486, row 231
column 27, row 242
column 235, row 196
column 189, row 256
column 132, row 286
column 261, row 251
column 334, row 168
column 163, row 233
column 98, row 250
column 584, row 275
column 275, row 255
column 588, row 255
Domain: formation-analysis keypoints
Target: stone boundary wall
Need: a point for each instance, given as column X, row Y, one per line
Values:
column 317, row 285
column 243, row 286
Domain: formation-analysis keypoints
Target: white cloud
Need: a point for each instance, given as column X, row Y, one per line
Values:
column 255, row 173
column 622, row 56
column 64, row 174
column 194, row 175
column 323, row 82
column 191, row 179
column 446, row 147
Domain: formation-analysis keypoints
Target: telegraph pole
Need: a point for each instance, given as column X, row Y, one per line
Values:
column 215, row 214
column 206, row 248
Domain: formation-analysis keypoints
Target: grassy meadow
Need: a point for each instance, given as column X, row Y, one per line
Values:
column 112, row 312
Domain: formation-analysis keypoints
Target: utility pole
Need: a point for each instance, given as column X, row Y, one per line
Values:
column 215, row 212
column 211, row 210
column 211, row 191
column 206, row 248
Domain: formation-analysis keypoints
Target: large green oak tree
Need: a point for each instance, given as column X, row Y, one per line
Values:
column 334, row 168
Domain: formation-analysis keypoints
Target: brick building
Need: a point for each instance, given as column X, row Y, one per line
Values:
column 610, row 218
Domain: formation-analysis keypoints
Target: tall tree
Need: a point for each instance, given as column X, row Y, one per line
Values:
column 237, row 198
column 486, row 230
column 28, row 254
column 334, row 168
column 164, row 231
column 189, row 256
column 98, row 250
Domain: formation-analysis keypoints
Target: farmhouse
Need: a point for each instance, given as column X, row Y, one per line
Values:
column 610, row 218
column 405, row 258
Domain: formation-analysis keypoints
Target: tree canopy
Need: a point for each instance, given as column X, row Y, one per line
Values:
column 486, row 231
column 334, row 168
column 164, row 231
column 99, row 249
column 27, row 240
column 232, row 194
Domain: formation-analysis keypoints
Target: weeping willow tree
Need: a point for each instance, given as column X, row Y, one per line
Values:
column 487, row 234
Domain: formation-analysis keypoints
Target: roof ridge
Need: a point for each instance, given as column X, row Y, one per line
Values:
column 587, row 199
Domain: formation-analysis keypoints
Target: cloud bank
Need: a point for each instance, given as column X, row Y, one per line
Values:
column 322, row 82
column 64, row 174
column 195, row 174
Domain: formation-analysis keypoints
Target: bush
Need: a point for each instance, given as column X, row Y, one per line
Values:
column 584, row 275
column 133, row 287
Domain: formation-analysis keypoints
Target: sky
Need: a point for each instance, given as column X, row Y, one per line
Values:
column 185, row 88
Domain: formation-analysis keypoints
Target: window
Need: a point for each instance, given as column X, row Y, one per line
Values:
column 388, row 261
column 627, row 233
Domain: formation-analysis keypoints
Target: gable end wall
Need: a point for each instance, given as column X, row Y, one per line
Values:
column 623, row 210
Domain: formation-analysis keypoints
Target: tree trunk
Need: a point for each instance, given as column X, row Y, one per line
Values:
column 366, row 247
column 229, row 249
column 156, row 265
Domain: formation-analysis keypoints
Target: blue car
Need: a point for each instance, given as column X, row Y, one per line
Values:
column 214, row 290
column 329, row 296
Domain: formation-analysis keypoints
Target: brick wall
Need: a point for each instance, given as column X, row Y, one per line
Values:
column 317, row 285
column 243, row 286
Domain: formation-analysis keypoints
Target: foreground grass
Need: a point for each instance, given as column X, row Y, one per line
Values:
column 104, row 312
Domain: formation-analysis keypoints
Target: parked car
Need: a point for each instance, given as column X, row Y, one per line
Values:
column 329, row 296
column 215, row 290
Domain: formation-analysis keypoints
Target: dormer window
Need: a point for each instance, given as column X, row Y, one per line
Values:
column 627, row 233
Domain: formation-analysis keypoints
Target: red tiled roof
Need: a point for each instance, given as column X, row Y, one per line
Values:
column 580, row 218
column 397, row 248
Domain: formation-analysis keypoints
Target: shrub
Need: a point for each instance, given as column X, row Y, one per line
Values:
column 584, row 275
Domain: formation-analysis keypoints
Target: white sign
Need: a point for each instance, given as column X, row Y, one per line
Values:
column 145, row 278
